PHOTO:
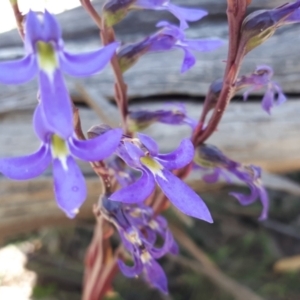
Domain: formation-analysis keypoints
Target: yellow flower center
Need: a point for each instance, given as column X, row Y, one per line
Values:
column 46, row 57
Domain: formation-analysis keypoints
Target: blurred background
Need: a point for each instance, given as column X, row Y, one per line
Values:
column 239, row 257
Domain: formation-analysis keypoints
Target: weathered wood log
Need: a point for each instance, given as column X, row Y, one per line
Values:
column 246, row 133
column 158, row 74
column 28, row 205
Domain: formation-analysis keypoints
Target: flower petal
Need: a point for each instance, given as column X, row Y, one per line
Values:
column 213, row 177
column 18, row 71
column 133, row 151
column 159, row 252
column 69, row 186
column 179, row 158
column 189, row 60
column 268, row 101
column 39, row 123
column 149, row 143
column 56, row 103
column 204, row 45
column 264, row 198
column 133, row 271
column 156, row 276
column 246, row 199
column 98, row 148
column 33, row 29
column 86, row 64
column 26, row 167
column 136, row 192
column 186, row 14
column 51, row 28
column 182, row 196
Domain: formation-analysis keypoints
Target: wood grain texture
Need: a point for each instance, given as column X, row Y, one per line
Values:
column 158, row 74
column 246, row 133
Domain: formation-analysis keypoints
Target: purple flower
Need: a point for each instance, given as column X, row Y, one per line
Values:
column 168, row 38
column 175, row 115
column 209, row 157
column 69, row 183
column 115, row 10
column 259, row 79
column 139, row 230
column 141, row 153
column 181, row 13
column 45, row 57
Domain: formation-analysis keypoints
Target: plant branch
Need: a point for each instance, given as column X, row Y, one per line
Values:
column 236, row 10
column 18, row 17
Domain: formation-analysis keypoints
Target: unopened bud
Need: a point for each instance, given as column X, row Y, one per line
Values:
column 97, row 130
column 128, row 55
column 210, row 156
column 262, row 24
column 115, row 11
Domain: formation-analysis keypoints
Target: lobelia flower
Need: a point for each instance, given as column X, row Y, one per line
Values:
column 139, row 230
column 141, row 153
column 259, row 79
column 177, row 115
column 69, row 183
column 208, row 157
column 46, row 57
column 169, row 37
column 115, row 10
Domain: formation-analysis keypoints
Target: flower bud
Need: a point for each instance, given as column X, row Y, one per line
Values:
column 262, row 24
column 97, row 130
column 114, row 11
column 128, row 55
column 210, row 156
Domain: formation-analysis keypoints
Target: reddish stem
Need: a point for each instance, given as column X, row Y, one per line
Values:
column 236, row 10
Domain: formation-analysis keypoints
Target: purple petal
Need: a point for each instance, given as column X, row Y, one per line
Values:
column 40, row 126
column 156, row 276
column 204, row 45
column 247, row 93
column 213, row 177
column 264, row 198
column 182, row 196
column 136, row 192
column 69, row 186
column 174, row 248
column 245, row 199
column 160, row 252
column 134, row 151
column 179, row 158
column 188, row 61
column 80, row 65
column 51, row 29
column 281, row 97
column 98, row 148
column 33, row 29
column 26, row 167
column 149, row 143
column 18, row 71
column 56, row 104
column 186, row 14
column 268, row 101
column 133, row 271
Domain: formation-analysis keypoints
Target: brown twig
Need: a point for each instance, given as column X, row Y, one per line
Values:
column 236, row 10
column 108, row 36
column 205, row 266
column 93, row 105
column 18, row 17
